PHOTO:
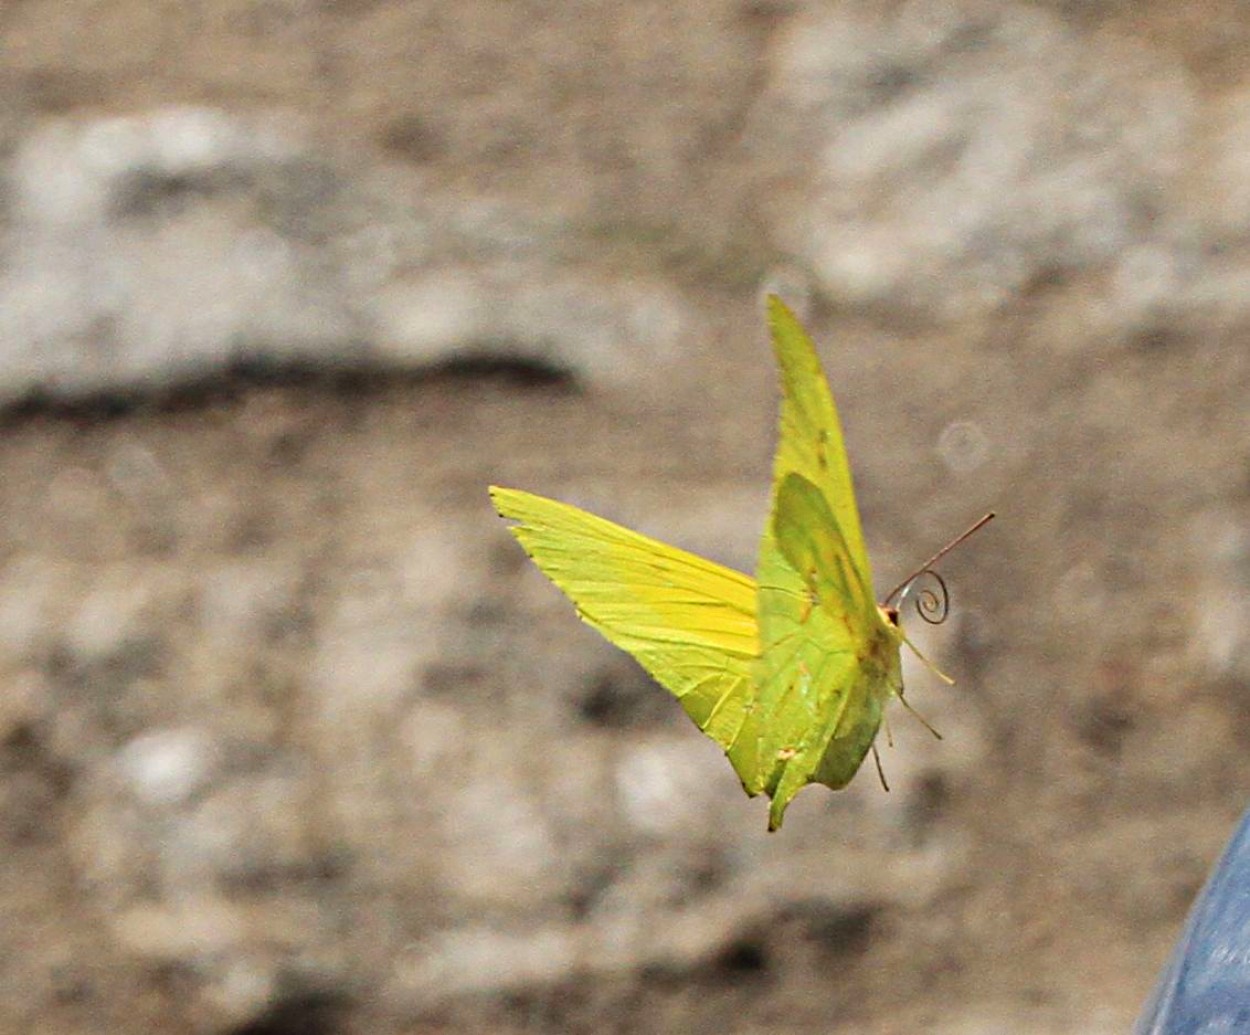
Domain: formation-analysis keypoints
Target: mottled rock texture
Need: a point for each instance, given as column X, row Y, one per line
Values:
column 292, row 737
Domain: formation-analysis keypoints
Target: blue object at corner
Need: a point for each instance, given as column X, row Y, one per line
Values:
column 1205, row 987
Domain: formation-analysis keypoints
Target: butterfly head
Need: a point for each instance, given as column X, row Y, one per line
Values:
column 889, row 616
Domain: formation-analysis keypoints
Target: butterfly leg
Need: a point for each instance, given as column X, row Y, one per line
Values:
column 876, row 757
column 918, row 717
column 929, row 664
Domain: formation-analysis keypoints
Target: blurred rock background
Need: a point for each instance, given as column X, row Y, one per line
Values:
column 292, row 737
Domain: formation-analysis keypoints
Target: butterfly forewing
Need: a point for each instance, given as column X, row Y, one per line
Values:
column 689, row 622
column 810, row 439
column 816, row 612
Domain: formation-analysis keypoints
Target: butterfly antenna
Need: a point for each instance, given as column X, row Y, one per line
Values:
column 937, row 557
column 885, row 720
column 876, row 757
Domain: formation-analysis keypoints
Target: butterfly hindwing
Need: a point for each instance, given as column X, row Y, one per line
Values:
column 812, row 543
column 812, row 664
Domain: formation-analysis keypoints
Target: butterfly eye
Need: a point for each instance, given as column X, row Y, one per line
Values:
column 891, row 614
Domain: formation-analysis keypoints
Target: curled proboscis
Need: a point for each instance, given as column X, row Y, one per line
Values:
column 929, row 596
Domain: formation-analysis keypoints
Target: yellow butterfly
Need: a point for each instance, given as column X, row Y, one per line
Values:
column 788, row 672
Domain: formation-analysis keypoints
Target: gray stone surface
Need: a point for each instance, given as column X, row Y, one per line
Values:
column 151, row 251
column 953, row 154
column 293, row 738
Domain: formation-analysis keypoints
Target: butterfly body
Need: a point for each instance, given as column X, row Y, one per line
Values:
column 789, row 671
column 881, row 677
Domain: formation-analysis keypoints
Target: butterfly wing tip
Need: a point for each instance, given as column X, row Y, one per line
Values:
column 775, row 816
column 777, row 307
column 505, row 500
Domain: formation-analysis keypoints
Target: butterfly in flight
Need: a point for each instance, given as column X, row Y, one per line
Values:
column 789, row 671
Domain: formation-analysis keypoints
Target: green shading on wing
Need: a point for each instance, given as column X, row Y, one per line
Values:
column 818, row 623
